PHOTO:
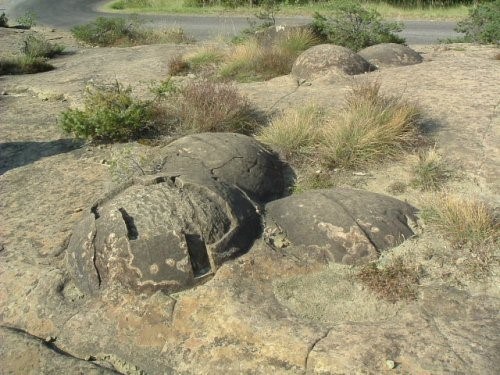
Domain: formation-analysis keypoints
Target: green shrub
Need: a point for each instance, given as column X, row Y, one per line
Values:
column 27, row 20
column 482, row 25
column 4, row 21
column 110, row 114
column 24, row 65
column 38, row 46
column 352, row 26
column 121, row 32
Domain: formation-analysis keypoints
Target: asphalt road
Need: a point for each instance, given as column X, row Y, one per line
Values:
column 68, row 13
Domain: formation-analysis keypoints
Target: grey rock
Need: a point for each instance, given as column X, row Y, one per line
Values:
column 390, row 54
column 230, row 158
column 350, row 226
column 326, row 58
column 162, row 233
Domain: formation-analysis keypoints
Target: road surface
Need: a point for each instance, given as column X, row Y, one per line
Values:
column 68, row 13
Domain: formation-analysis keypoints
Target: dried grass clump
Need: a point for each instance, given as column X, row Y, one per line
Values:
column 431, row 172
column 177, row 65
column 295, row 133
column 205, row 106
column 394, row 282
column 371, row 127
column 464, row 222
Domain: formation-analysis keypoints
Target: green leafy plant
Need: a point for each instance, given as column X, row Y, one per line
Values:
column 38, row 46
column 350, row 25
column 110, row 114
column 482, row 25
column 27, row 20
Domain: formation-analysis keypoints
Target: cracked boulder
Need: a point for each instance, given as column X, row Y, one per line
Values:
column 161, row 233
column 228, row 158
column 348, row 226
column 390, row 54
column 326, row 58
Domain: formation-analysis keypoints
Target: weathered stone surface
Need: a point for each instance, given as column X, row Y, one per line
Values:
column 230, row 158
column 21, row 353
column 390, row 54
column 326, row 58
column 350, row 226
column 162, row 234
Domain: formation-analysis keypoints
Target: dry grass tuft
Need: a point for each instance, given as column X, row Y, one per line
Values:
column 205, row 106
column 431, row 171
column 294, row 133
column 370, row 128
column 393, row 282
column 462, row 221
column 178, row 66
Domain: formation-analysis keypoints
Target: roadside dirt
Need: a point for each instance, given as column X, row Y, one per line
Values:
column 269, row 310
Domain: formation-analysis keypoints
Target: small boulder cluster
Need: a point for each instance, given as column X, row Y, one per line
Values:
column 211, row 196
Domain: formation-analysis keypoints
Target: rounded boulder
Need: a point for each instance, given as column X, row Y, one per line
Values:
column 234, row 159
column 349, row 226
column 326, row 58
column 390, row 54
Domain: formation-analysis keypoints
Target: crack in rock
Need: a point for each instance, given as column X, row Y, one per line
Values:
column 313, row 345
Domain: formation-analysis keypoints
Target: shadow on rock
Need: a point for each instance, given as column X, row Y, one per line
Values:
column 17, row 154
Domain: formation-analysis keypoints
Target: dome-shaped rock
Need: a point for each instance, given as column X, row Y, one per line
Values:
column 350, row 226
column 390, row 54
column 326, row 58
column 231, row 158
column 161, row 234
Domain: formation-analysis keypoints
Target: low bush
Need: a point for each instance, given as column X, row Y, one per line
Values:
column 121, row 32
column 4, row 21
column 38, row 46
column 393, row 282
column 431, row 171
column 110, row 114
column 295, row 133
column 27, row 20
column 24, row 65
column 464, row 222
column 350, row 25
column 482, row 25
column 370, row 127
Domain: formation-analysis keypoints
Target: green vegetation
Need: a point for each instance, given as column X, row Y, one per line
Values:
column 350, row 25
column 38, row 46
column 122, row 32
column 431, row 171
column 110, row 114
column 393, row 282
column 414, row 9
column 464, row 222
column 4, row 21
column 482, row 25
column 27, row 20
column 24, row 65
column 370, row 128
